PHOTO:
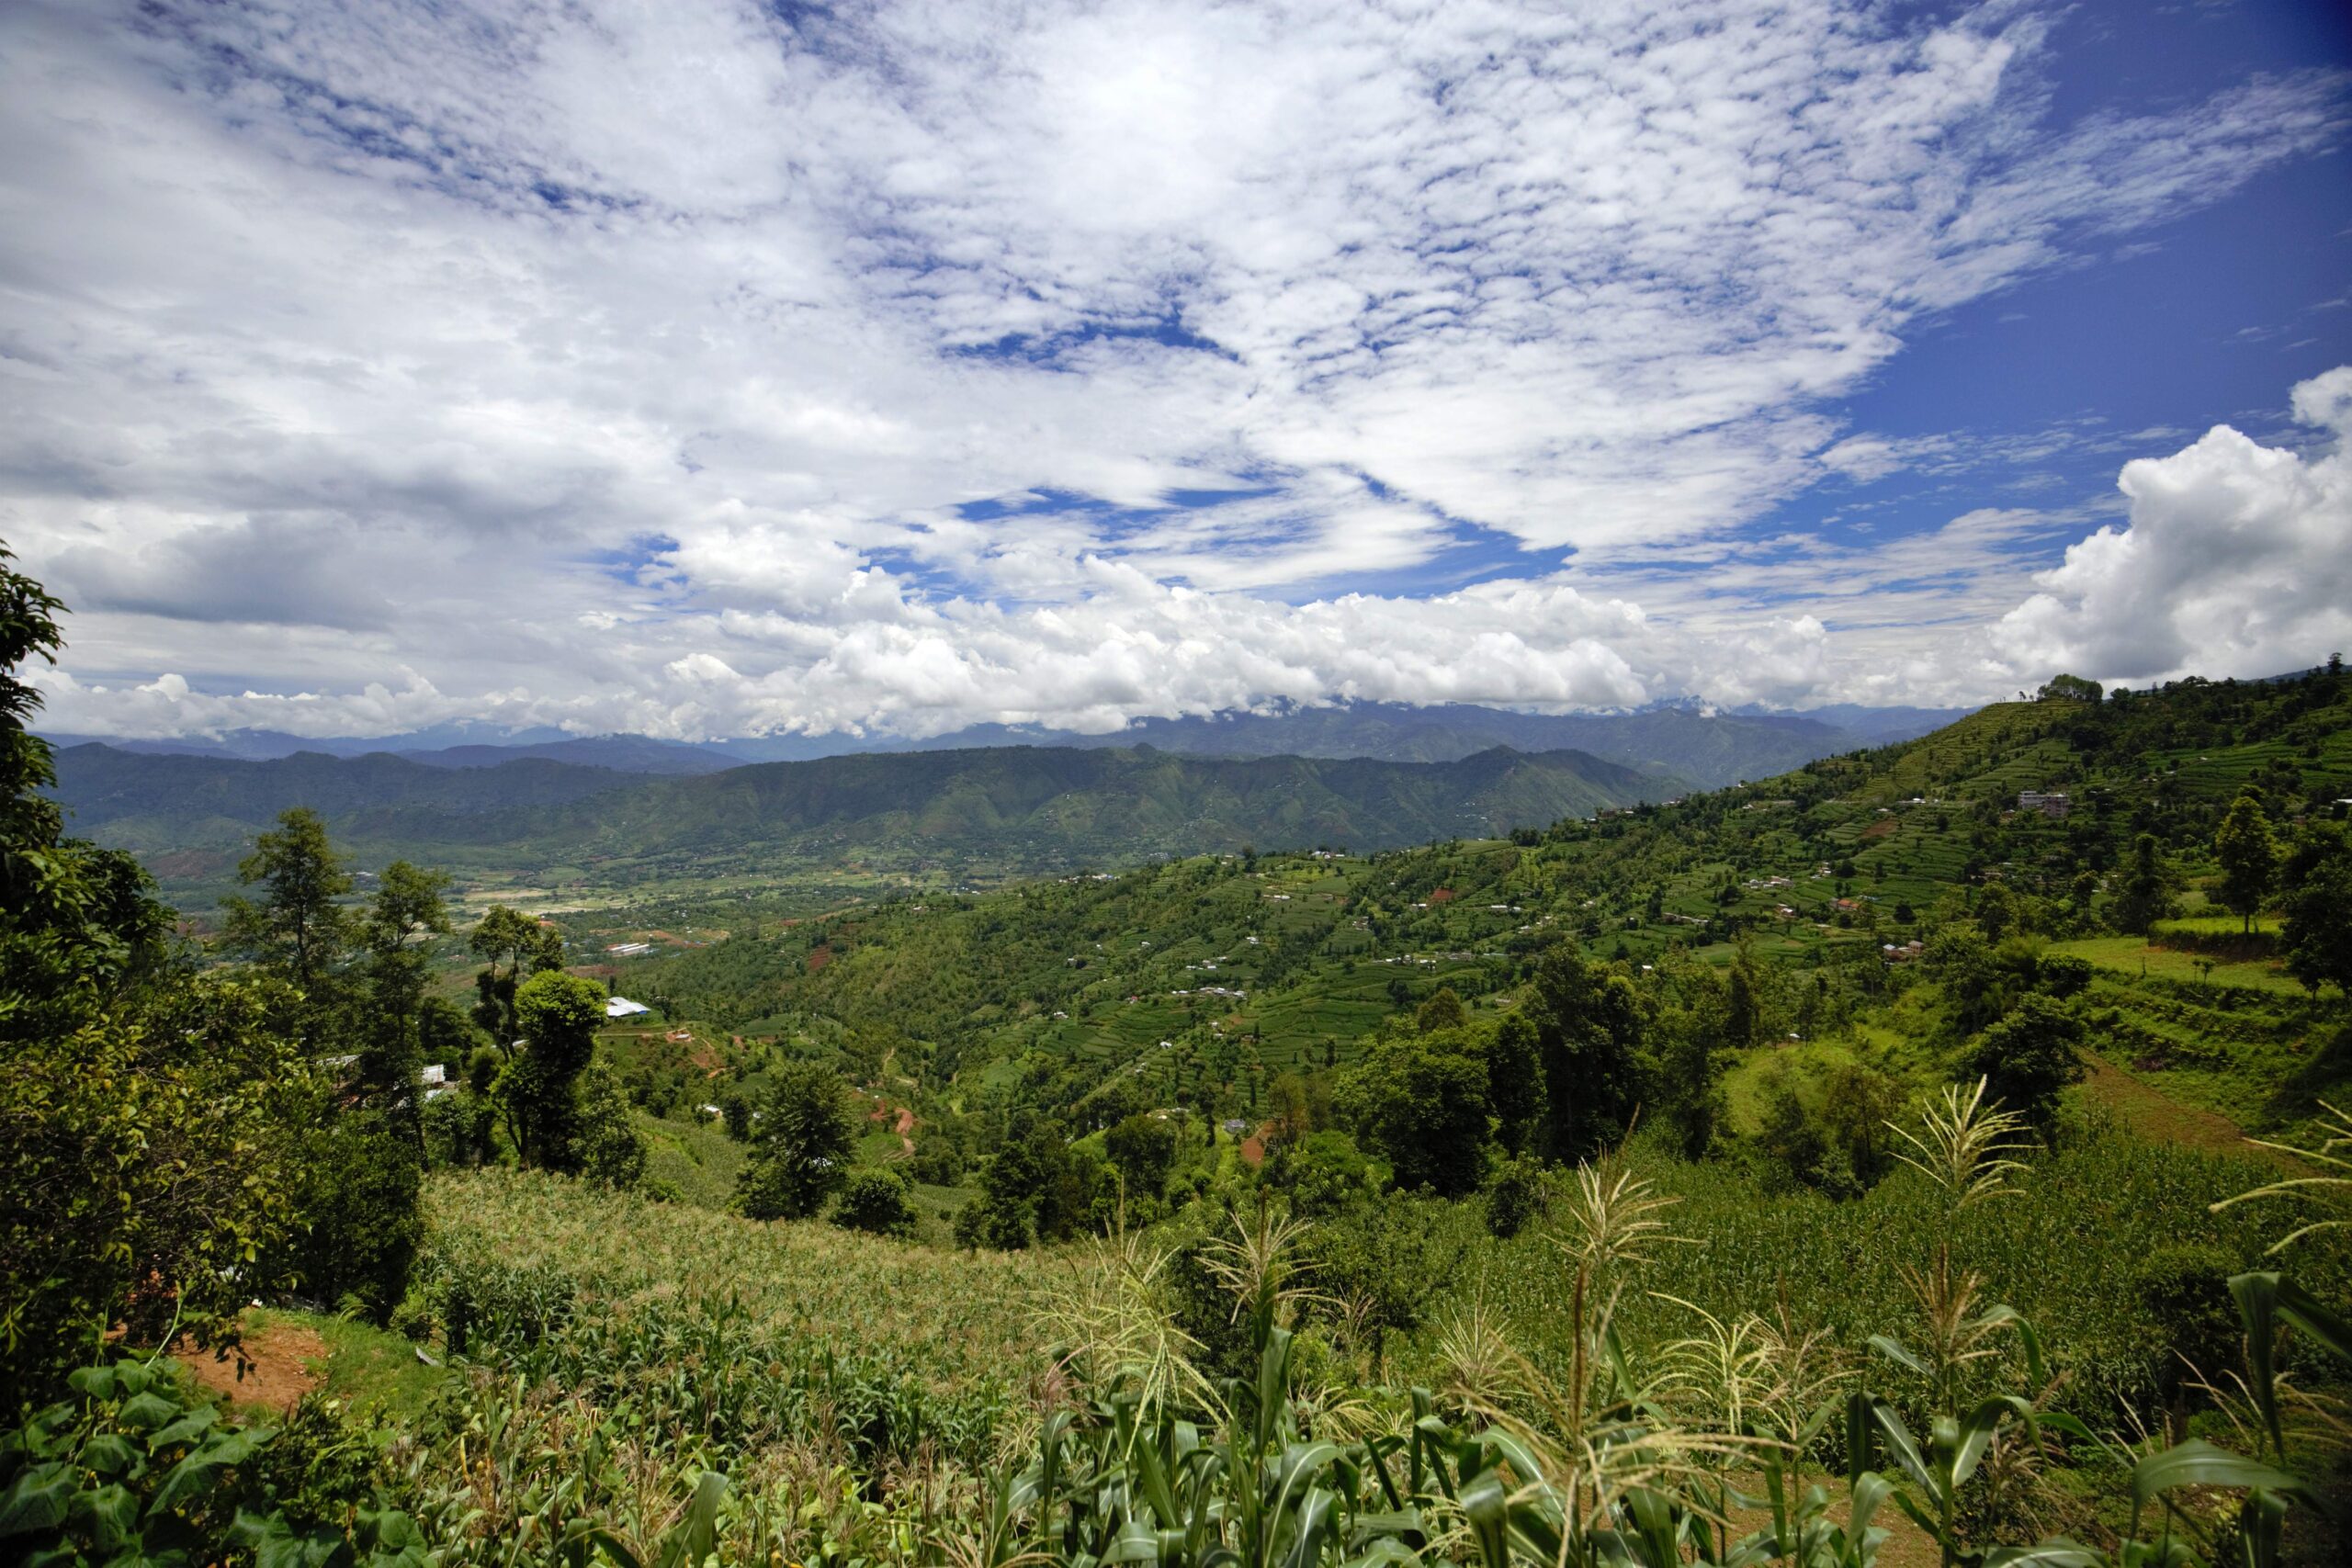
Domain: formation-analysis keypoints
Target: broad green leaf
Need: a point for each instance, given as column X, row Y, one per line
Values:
column 110, row 1453
column 93, row 1383
column 113, row 1516
column 2195, row 1462
column 146, row 1412
column 188, row 1429
column 36, row 1500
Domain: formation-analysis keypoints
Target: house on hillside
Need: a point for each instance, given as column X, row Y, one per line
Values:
column 2050, row 802
column 621, row 1007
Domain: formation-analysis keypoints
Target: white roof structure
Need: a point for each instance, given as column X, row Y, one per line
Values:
column 621, row 1007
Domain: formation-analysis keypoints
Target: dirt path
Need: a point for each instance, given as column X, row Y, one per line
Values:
column 279, row 1362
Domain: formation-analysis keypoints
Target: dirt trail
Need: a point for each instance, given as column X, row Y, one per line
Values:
column 278, row 1361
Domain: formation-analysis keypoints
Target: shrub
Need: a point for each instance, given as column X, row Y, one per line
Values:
column 1515, row 1197
column 875, row 1201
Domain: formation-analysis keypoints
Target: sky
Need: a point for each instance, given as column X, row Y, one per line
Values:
column 701, row 369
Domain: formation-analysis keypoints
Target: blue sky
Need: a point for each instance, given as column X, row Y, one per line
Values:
column 705, row 368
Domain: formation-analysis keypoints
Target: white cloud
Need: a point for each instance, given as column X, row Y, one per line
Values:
column 632, row 366
column 2236, row 561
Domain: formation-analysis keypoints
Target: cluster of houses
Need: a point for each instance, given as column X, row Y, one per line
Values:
column 630, row 949
column 2050, row 802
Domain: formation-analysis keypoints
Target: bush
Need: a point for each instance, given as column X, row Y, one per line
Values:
column 1517, row 1196
column 875, row 1201
column 361, row 1229
column 806, row 1132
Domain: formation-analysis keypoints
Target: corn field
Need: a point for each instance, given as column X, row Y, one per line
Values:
column 1626, row 1388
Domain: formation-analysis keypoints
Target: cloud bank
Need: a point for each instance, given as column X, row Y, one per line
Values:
column 2237, row 560
column 696, row 369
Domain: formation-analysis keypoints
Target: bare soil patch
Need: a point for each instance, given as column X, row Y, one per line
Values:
column 272, row 1371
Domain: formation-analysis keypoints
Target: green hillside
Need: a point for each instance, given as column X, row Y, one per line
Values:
column 1250, row 968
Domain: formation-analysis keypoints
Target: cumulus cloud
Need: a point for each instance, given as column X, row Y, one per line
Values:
column 2236, row 561
column 697, row 367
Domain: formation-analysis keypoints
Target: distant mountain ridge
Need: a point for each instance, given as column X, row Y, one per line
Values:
column 1704, row 748
column 1017, row 808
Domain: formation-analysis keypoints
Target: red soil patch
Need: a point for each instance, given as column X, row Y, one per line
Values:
column 1880, row 829
column 1443, row 896
column 819, row 955
column 1253, row 1151
column 271, row 1370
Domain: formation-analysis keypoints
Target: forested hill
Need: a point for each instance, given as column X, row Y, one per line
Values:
column 1021, row 809
column 175, row 800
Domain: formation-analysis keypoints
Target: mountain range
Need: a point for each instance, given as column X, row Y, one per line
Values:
column 1705, row 748
column 1005, row 809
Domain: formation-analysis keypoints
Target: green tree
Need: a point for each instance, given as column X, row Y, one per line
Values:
column 1996, row 911
column 406, row 907
column 1142, row 1147
column 735, row 1110
column 151, row 1118
column 2317, row 880
column 1420, row 1102
column 2029, row 1057
column 558, row 1015
column 802, row 1141
column 509, row 937
column 875, row 1201
column 2070, row 689
column 297, row 926
column 611, row 1152
column 2248, row 855
column 1859, row 1106
column 2145, row 896
column 1516, row 1197
column 1443, row 1011
column 1589, row 1026
column 77, row 923
column 1515, row 1084
column 361, row 1169
column 1743, row 999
